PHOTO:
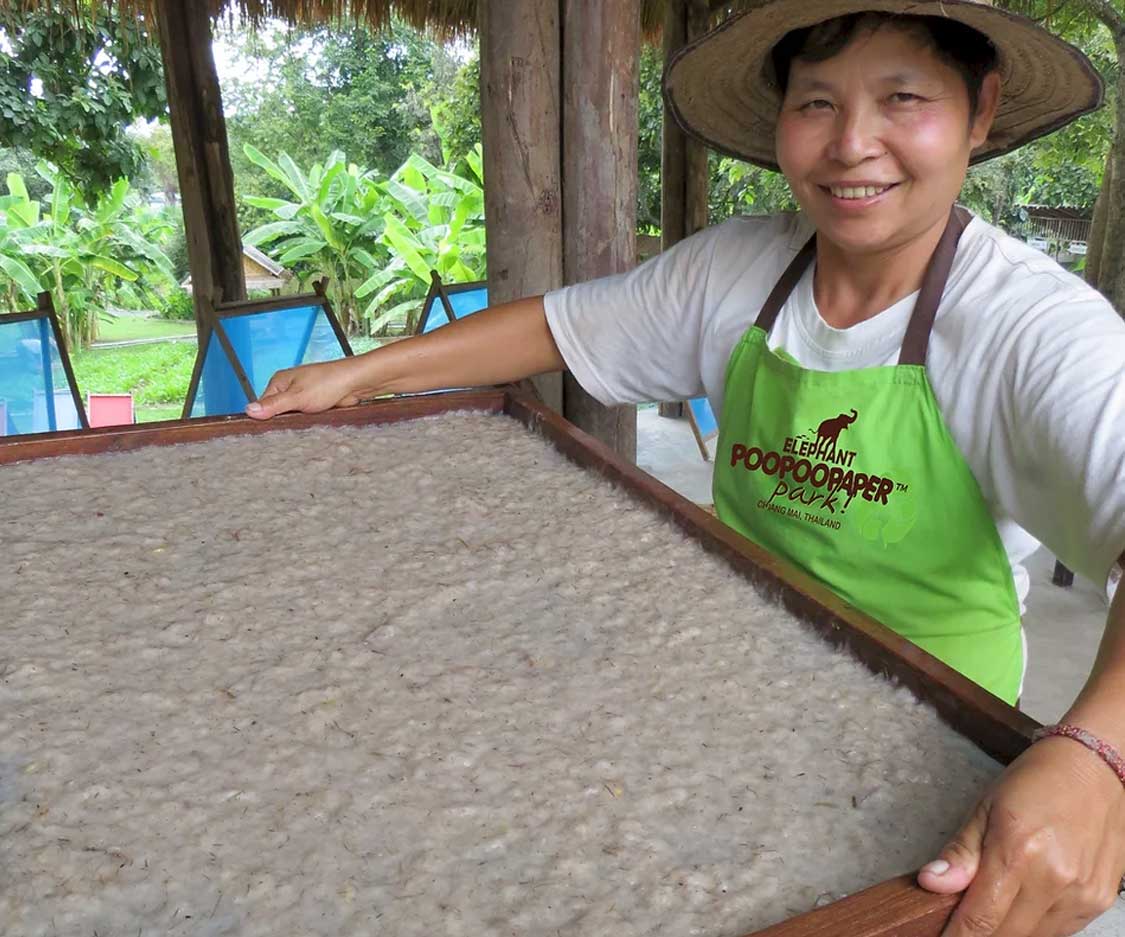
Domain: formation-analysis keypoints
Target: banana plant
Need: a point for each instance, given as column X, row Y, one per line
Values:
column 87, row 258
column 20, row 224
column 327, row 228
column 433, row 220
column 374, row 239
column 93, row 258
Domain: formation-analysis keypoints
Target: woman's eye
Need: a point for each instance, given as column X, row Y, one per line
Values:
column 818, row 104
column 904, row 97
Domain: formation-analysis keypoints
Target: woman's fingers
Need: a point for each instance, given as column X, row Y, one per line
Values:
column 310, row 388
column 957, row 863
column 269, row 405
column 1041, row 853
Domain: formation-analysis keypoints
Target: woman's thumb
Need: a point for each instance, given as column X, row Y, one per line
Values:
column 957, row 863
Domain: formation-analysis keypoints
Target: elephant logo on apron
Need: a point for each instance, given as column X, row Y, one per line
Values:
column 828, row 433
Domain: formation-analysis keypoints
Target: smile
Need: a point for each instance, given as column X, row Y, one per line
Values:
column 857, row 192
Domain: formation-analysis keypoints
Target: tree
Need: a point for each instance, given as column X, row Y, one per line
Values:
column 454, row 107
column 311, row 92
column 72, row 78
column 1106, row 253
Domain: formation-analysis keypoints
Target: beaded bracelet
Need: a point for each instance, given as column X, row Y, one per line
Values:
column 1110, row 755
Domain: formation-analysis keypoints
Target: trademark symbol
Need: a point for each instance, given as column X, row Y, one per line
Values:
column 901, row 487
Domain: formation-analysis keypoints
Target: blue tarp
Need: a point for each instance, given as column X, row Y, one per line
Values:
column 704, row 417
column 464, row 303
column 35, row 395
column 264, row 342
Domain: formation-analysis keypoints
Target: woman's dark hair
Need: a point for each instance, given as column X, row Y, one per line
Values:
column 971, row 53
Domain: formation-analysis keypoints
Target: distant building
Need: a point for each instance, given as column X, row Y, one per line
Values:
column 261, row 271
column 1059, row 231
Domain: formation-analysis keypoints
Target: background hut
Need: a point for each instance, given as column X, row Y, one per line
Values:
column 259, row 270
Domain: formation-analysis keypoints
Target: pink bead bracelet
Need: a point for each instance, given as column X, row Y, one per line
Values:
column 1110, row 755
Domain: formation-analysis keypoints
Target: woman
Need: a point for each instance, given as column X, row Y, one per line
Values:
column 910, row 400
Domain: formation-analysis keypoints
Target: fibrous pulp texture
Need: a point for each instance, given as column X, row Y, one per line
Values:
column 426, row 678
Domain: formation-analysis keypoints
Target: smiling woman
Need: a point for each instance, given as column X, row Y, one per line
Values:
column 878, row 121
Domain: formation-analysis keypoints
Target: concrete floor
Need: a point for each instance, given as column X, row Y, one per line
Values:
column 1063, row 626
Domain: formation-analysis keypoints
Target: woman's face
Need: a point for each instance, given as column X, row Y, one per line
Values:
column 875, row 142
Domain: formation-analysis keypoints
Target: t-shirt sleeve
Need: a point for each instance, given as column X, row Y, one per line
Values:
column 1064, row 431
column 636, row 336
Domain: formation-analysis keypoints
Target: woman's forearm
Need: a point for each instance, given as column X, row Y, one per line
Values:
column 1100, row 707
column 498, row 345
column 505, row 343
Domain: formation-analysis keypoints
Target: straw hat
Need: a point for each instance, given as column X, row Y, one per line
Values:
column 721, row 91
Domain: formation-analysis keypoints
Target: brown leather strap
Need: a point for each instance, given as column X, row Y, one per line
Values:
column 917, row 338
column 781, row 290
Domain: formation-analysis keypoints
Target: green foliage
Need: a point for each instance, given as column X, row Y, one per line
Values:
column 177, row 304
column 24, row 162
column 734, row 187
column 650, row 118
column 156, row 373
column 88, row 258
column 739, row 188
column 71, row 80
column 434, row 220
column 312, row 92
column 374, row 239
column 326, row 226
column 455, row 110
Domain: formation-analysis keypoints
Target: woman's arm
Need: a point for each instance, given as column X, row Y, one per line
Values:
column 1044, row 852
column 495, row 346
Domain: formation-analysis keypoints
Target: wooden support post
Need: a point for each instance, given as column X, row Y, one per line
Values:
column 601, row 53
column 1062, row 576
column 684, row 170
column 520, row 125
column 199, row 137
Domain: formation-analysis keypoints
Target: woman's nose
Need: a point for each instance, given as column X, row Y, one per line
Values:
column 856, row 136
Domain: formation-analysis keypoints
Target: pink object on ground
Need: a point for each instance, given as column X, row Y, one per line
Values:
column 110, row 409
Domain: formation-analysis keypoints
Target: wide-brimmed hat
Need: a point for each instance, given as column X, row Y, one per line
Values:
column 721, row 89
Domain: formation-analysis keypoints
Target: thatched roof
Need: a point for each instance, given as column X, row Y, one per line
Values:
column 444, row 17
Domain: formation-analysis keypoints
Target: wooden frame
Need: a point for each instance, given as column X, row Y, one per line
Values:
column 701, row 437
column 441, row 291
column 45, row 310
column 897, row 908
column 249, row 307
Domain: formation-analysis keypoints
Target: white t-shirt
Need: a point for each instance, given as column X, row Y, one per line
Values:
column 1026, row 361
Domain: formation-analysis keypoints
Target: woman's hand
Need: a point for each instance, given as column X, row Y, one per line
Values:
column 309, row 388
column 1043, row 852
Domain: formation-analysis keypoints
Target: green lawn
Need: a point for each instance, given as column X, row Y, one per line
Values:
column 154, row 374
column 131, row 328
column 154, row 414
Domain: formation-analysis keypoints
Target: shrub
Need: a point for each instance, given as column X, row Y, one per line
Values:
column 177, row 304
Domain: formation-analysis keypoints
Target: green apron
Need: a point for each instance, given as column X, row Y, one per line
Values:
column 854, row 477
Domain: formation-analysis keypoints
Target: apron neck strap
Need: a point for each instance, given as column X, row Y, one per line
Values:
column 781, row 290
column 917, row 339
